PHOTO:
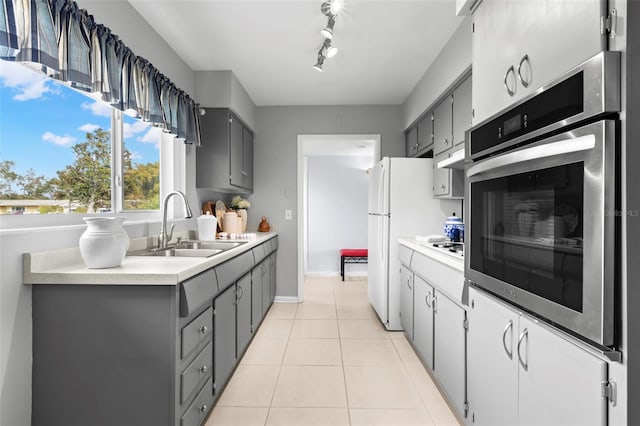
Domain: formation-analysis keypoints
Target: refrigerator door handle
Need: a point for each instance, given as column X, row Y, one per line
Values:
column 381, row 189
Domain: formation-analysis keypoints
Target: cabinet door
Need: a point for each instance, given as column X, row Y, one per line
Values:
column 272, row 276
column 556, row 36
column 224, row 337
column 443, row 126
column 256, row 295
column 266, row 286
column 247, row 159
column 243, row 313
column 425, row 134
column 561, row 384
column 423, row 319
column 449, row 343
column 406, row 300
column 236, row 165
column 411, row 142
column 441, row 177
column 462, row 115
column 491, row 350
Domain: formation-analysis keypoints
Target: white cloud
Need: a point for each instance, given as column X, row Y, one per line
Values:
column 89, row 128
column 65, row 140
column 27, row 83
column 99, row 108
column 137, row 127
column 135, row 156
column 152, row 137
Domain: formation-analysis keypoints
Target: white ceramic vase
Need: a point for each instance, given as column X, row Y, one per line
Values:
column 104, row 244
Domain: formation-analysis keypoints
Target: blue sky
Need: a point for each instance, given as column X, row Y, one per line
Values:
column 41, row 119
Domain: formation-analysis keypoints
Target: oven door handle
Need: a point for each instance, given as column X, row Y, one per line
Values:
column 567, row 146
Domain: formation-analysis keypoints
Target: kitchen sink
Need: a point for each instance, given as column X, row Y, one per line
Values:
column 190, row 248
column 209, row 245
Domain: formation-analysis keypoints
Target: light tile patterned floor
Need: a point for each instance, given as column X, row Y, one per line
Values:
column 329, row 362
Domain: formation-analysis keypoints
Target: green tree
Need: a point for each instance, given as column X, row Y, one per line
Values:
column 8, row 178
column 88, row 179
column 142, row 186
column 34, row 186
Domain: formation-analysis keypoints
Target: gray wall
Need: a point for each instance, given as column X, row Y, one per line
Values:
column 275, row 164
column 337, row 201
column 451, row 63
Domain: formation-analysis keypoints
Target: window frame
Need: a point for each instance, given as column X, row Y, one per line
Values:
column 171, row 156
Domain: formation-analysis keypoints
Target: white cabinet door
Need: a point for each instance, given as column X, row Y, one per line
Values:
column 560, row 383
column 462, row 115
column 555, row 35
column 493, row 365
column 449, row 357
column 443, row 126
column 423, row 320
column 406, row 300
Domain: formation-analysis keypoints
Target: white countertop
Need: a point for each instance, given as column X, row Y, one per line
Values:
column 67, row 267
column 454, row 260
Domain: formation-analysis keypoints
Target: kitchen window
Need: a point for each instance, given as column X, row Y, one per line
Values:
column 63, row 152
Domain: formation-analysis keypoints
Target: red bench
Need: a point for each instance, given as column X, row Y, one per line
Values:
column 352, row 256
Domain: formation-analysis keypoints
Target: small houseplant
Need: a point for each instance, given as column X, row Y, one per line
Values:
column 241, row 205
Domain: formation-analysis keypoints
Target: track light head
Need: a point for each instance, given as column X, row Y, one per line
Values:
column 327, row 32
column 329, row 51
column 318, row 65
column 331, row 7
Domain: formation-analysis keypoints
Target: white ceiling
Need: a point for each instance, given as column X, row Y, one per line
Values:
column 271, row 45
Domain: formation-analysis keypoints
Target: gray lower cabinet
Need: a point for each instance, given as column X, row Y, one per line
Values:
column 138, row 355
column 224, row 340
column 243, row 314
column 406, row 300
column 537, row 377
column 449, row 357
column 423, row 320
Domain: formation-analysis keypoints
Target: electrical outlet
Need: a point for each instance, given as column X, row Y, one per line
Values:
column 288, row 215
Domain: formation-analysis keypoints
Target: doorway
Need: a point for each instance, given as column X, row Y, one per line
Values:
column 327, row 164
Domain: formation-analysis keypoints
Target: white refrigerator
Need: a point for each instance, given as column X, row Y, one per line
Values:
column 401, row 204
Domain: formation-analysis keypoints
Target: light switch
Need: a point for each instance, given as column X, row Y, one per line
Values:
column 288, row 215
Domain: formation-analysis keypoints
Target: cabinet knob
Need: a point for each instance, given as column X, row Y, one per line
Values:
column 204, row 408
column 204, row 329
column 204, row 369
column 445, row 141
column 443, row 187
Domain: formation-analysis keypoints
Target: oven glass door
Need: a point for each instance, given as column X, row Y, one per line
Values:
column 541, row 228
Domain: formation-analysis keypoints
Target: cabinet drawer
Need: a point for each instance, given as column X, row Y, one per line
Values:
column 196, row 332
column 196, row 373
column 231, row 270
column 197, row 291
column 405, row 254
column 198, row 410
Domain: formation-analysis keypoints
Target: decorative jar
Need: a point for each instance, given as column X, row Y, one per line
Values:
column 454, row 228
column 104, row 244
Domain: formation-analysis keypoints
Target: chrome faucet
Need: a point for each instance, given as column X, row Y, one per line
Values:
column 163, row 239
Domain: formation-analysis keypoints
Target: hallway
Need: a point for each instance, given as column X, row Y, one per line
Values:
column 329, row 362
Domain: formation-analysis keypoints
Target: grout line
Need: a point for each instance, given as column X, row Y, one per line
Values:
column 344, row 374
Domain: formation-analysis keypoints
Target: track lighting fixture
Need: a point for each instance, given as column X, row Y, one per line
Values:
column 329, row 8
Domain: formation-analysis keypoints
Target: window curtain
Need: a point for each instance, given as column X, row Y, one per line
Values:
column 65, row 42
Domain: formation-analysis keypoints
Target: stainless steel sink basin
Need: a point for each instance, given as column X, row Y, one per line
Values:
column 209, row 245
column 178, row 252
column 190, row 248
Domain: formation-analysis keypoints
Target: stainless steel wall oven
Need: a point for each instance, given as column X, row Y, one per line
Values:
column 541, row 200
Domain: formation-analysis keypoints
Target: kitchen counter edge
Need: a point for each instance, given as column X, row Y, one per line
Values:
column 452, row 260
column 65, row 266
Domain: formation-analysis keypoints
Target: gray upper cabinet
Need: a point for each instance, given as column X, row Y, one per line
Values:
column 462, row 111
column 521, row 46
column 443, row 126
column 224, row 162
column 425, row 134
column 411, row 142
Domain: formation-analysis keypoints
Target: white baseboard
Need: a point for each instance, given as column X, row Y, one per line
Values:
column 337, row 274
column 286, row 299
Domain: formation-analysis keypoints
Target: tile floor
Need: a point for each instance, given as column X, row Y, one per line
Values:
column 329, row 362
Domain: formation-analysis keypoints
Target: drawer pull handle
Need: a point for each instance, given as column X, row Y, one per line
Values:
column 204, row 369
column 204, row 329
column 524, row 59
column 524, row 335
column 509, row 351
column 204, row 408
